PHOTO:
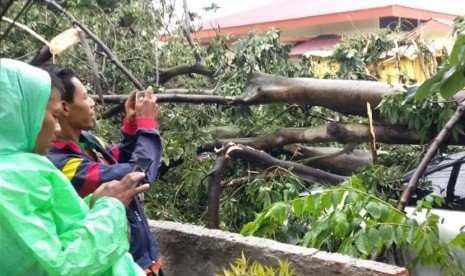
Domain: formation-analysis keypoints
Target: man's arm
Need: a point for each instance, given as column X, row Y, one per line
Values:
column 86, row 175
column 131, row 132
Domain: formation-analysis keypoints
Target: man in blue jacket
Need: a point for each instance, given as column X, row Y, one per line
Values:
column 88, row 162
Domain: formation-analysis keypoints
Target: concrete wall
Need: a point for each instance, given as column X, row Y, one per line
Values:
column 192, row 250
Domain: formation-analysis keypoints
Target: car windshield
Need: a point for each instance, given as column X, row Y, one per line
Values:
column 447, row 178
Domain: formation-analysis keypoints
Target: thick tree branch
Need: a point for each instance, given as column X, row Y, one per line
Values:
column 187, row 31
column 331, row 132
column 24, row 10
column 331, row 160
column 5, row 7
column 93, row 65
column 214, row 190
column 165, row 74
column 261, row 160
column 318, row 92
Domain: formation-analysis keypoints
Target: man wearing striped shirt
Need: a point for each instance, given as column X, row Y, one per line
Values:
column 88, row 161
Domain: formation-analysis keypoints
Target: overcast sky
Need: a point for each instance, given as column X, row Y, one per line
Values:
column 227, row 7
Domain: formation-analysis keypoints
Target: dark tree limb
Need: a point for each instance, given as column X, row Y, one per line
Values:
column 331, row 132
column 187, row 31
column 24, row 10
column 198, row 67
column 99, row 42
column 214, row 189
column 331, row 160
column 420, row 170
column 175, row 98
column 343, row 96
column 93, row 65
column 433, row 148
column 261, row 160
column 6, row 8
column 165, row 74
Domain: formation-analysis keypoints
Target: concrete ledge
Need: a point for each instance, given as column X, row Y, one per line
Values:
column 192, row 250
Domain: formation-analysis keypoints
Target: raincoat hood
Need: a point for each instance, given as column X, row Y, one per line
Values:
column 46, row 229
column 24, row 94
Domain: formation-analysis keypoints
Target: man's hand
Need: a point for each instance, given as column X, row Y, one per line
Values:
column 147, row 107
column 124, row 190
column 130, row 108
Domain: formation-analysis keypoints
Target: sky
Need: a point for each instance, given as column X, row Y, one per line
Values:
column 227, row 7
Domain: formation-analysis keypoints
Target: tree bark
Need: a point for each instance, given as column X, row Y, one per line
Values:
column 214, row 190
column 165, row 74
column 263, row 160
column 331, row 132
column 343, row 96
column 343, row 164
column 92, row 64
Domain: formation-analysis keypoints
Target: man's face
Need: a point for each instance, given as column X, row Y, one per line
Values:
column 81, row 114
column 50, row 123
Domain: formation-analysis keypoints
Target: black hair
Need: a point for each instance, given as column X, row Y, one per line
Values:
column 56, row 82
column 65, row 76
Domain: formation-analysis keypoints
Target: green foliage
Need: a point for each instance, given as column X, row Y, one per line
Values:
column 359, row 56
column 240, row 204
column 242, row 267
column 351, row 221
column 426, row 116
column 355, row 53
column 451, row 78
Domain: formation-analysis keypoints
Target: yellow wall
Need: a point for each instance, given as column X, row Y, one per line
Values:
column 389, row 70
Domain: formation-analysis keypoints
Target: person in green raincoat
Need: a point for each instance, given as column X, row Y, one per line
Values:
column 45, row 227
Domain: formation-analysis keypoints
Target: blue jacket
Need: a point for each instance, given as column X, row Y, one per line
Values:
column 100, row 163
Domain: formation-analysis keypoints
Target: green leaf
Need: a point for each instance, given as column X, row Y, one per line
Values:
column 373, row 237
column 298, row 206
column 336, row 198
column 373, row 210
column 386, row 232
column 363, row 244
column 459, row 241
column 278, row 212
column 458, row 51
column 426, row 88
column 453, row 82
column 341, row 229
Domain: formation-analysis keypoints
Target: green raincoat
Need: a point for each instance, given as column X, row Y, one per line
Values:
column 45, row 227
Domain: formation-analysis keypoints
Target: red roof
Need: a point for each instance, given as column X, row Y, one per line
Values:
column 319, row 43
column 288, row 14
column 293, row 9
column 432, row 25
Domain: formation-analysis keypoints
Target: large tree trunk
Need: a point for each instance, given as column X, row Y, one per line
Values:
column 343, row 96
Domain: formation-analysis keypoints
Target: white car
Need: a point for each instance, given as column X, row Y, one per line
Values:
column 447, row 176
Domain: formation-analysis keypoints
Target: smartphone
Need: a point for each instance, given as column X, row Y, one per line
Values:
column 142, row 165
column 140, row 95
